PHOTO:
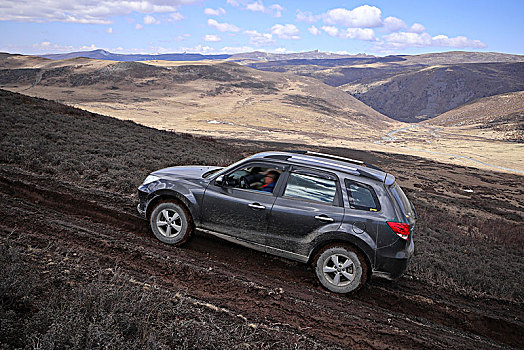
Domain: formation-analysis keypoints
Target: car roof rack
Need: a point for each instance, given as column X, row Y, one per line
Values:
column 358, row 170
column 333, row 157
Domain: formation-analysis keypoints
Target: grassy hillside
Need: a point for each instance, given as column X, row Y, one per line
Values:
column 204, row 97
column 503, row 114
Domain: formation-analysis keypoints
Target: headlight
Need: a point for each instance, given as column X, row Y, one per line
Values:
column 150, row 178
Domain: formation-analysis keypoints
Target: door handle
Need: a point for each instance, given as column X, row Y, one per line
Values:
column 256, row 206
column 324, row 218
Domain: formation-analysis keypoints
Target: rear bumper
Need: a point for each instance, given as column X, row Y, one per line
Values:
column 391, row 262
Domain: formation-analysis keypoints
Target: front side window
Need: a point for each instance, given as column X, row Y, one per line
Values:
column 362, row 196
column 255, row 176
column 311, row 188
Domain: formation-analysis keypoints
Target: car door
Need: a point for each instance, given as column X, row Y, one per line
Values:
column 364, row 216
column 310, row 204
column 229, row 209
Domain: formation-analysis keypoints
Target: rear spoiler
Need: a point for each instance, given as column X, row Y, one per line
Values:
column 388, row 179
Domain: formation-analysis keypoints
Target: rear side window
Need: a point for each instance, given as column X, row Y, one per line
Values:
column 311, row 188
column 362, row 196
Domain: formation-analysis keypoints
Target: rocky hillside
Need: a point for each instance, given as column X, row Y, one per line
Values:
column 425, row 93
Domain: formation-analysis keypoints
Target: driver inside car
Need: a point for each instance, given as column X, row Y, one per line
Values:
column 256, row 178
column 270, row 179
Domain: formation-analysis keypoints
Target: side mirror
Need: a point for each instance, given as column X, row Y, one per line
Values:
column 219, row 181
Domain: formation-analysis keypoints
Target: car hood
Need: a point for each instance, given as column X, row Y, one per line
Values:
column 186, row 172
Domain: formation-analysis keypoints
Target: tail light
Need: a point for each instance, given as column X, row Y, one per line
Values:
column 400, row 229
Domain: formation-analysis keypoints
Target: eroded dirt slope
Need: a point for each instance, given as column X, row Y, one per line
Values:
column 267, row 291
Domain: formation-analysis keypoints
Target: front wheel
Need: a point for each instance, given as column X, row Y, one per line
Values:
column 171, row 223
column 340, row 268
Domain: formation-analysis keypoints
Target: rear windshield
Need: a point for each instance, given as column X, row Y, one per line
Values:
column 401, row 199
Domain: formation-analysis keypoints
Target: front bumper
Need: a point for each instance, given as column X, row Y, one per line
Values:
column 142, row 203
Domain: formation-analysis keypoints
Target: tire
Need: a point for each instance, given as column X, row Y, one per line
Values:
column 171, row 223
column 341, row 268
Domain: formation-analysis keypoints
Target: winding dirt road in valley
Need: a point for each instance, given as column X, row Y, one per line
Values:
column 267, row 291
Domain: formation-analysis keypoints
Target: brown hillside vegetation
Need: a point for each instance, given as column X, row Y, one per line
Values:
column 456, row 57
column 503, row 114
column 203, row 97
column 80, row 269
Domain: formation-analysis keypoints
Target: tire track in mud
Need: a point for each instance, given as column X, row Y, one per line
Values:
column 273, row 292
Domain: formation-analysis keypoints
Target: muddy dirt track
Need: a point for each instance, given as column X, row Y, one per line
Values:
column 267, row 291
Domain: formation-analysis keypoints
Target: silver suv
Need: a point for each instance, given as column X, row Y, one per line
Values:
column 347, row 218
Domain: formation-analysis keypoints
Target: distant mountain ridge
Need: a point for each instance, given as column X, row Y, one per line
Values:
column 247, row 56
column 106, row 55
column 307, row 55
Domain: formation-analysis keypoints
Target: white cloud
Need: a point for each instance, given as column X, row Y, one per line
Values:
column 42, row 45
column 91, row 47
column 233, row 3
column 457, row 42
column 394, row 24
column 222, row 27
column 366, row 34
column 109, row 30
column 330, row 30
column 408, row 39
column 48, row 47
column 199, row 49
column 400, row 40
column 235, row 49
column 182, row 37
column 81, row 11
column 280, row 50
column 212, row 38
column 314, row 30
column 149, row 20
column 276, row 10
column 306, row 16
column 364, row 16
column 417, row 28
column 138, row 26
column 176, row 16
column 257, row 6
column 212, row 12
column 286, row 31
column 212, row 51
column 259, row 39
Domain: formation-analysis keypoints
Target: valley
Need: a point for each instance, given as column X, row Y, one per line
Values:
column 223, row 99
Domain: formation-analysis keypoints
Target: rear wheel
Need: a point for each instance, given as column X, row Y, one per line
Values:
column 171, row 223
column 340, row 268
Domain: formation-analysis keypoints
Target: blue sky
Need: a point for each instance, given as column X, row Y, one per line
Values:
column 231, row 26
